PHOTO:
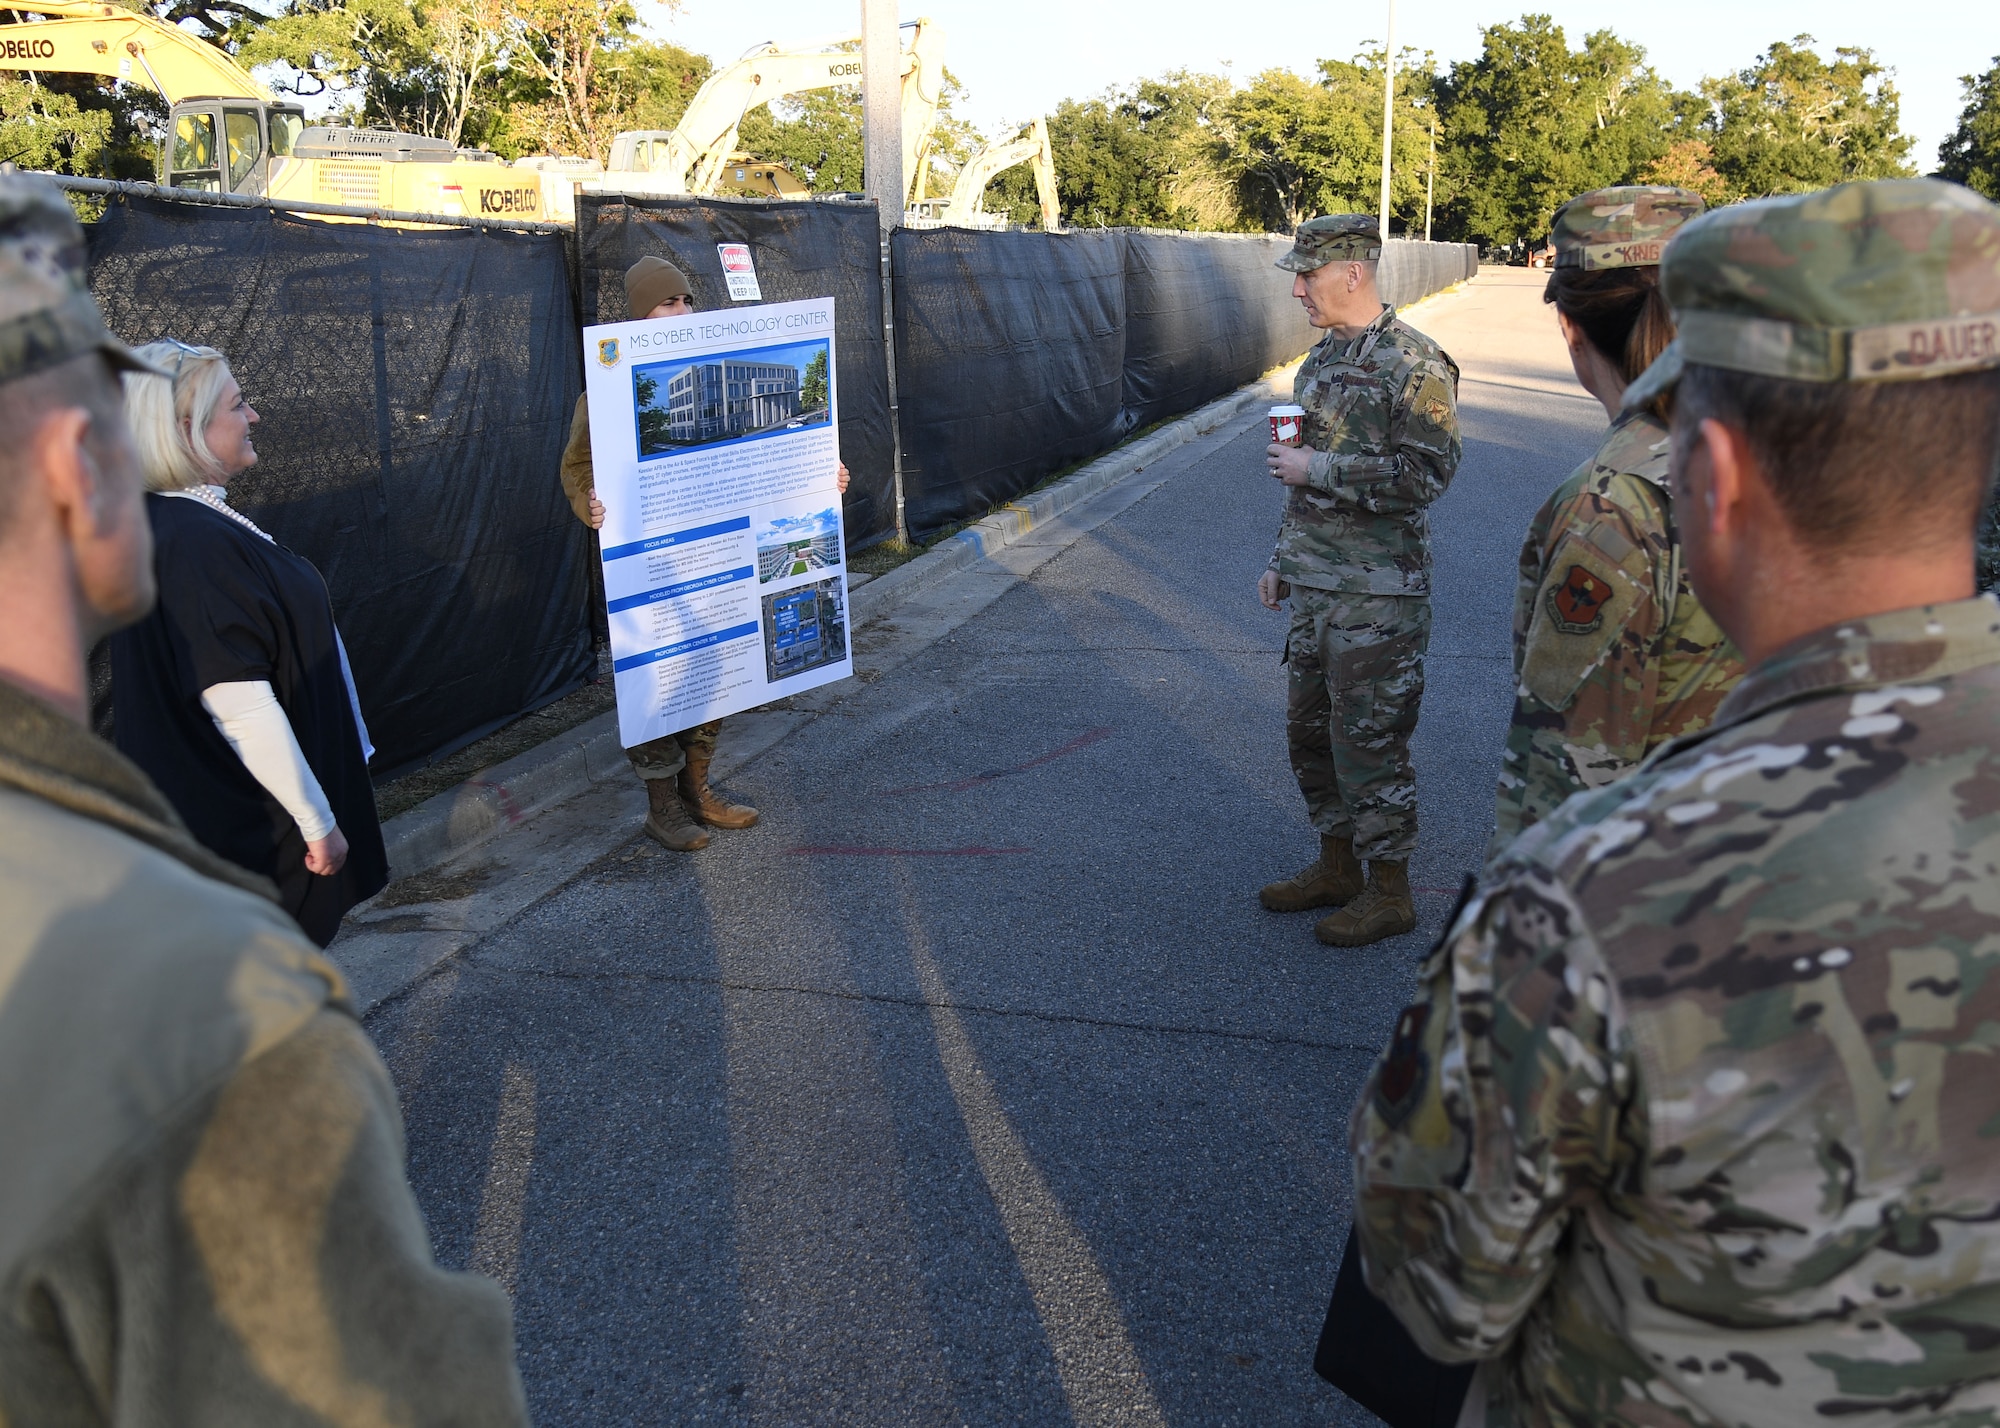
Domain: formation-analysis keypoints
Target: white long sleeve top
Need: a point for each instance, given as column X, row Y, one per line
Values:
column 251, row 719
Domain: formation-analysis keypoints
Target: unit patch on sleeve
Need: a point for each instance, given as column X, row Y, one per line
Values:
column 1587, row 599
column 1577, row 603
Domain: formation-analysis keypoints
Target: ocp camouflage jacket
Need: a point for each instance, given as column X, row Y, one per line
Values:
column 1697, row 1121
column 1613, row 653
column 203, row 1215
column 1382, row 420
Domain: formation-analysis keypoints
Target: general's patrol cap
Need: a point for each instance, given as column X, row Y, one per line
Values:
column 47, row 315
column 1893, row 280
column 1337, row 237
column 1623, row 227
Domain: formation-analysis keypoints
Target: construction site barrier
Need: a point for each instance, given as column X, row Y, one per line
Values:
column 1019, row 354
column 415, row 387
column 1412, row 271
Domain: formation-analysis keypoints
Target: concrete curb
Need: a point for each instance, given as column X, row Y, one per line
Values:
column 459, row 819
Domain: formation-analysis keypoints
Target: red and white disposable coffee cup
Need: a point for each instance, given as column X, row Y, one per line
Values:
column 1288, row 425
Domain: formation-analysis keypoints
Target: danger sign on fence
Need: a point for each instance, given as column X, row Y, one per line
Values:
column 739, row 272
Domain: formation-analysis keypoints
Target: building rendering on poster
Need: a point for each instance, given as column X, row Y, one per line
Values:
column 713, row 441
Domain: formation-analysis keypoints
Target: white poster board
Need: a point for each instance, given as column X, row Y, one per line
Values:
column 713, row 442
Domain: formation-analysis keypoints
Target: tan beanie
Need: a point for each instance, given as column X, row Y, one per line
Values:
column 650, row 282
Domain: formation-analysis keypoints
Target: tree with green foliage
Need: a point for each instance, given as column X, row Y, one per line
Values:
column 655, row 421
column 812, row 384
column 1304, row 148
column 1531, row 123
column 515, row 76
column 1793, row 122
column 42, row 128
column 817, row 135
column 1149, row 156
column 1971, row 155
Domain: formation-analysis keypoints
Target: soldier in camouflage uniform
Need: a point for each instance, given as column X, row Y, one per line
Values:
column 1697, row 1120
column 204, row 1216
column 1613, row 654
column 1353, row 555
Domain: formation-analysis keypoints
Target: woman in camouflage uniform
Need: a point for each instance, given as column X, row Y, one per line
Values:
column 1613, row 655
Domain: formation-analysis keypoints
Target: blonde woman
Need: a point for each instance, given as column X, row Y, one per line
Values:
column 235, row 693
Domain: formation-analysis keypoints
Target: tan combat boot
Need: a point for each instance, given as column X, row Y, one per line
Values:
column 667, row 820
column 704, row 803
column 1328, row 881
column 1383, row 910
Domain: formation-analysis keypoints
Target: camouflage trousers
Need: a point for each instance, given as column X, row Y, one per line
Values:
column 1357, row 677
column 666, row 756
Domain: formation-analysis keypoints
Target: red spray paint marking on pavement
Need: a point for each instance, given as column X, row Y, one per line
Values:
column 844, row 850
column 1081, row 741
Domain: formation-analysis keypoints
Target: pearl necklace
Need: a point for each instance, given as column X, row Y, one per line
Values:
column 213, row 498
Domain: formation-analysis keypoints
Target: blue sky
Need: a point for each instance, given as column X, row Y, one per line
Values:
column 785, row 529
column 1019, row 58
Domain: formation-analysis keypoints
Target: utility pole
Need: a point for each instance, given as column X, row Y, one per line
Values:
column 882, row 110
column 1388, row 118
column 1431, row 178
column 882, row 178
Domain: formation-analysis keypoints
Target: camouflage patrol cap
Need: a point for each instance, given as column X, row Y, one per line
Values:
column 47, row 315
column 1890, row 280
column 1622, row 227
column 1336, row 237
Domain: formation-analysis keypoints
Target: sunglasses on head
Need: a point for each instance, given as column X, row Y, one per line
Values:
column 182, row 351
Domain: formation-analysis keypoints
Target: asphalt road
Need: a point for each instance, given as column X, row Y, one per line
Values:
column 973, row 1085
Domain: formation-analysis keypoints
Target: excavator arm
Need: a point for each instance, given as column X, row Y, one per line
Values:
column 87, row 37
column 700, row 146
column 983, row 167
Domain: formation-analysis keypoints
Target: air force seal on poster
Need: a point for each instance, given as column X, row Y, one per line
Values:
column 607, row 352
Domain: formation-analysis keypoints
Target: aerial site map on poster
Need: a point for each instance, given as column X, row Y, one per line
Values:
column 714, row 442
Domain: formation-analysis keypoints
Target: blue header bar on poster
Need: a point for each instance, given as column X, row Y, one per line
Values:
column 699, row 642
column 641, row 547
column 685, row 587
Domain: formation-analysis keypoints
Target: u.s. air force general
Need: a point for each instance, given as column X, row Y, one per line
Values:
column 1353, row 556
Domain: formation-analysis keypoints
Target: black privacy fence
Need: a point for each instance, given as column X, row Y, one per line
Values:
column 416, row 387
column 1018, row 354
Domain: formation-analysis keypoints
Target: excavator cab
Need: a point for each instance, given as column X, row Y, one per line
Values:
column 747, row 177
column 225, row 145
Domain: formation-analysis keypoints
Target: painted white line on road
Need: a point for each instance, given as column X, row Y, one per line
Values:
column 496, row 1235
column 1100, row 1370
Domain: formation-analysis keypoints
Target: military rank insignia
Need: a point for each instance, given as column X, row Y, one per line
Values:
column 1577, row 605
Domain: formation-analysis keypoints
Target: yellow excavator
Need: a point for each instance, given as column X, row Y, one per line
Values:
column 226, row 133
column 966, row 208
column 700, row 155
